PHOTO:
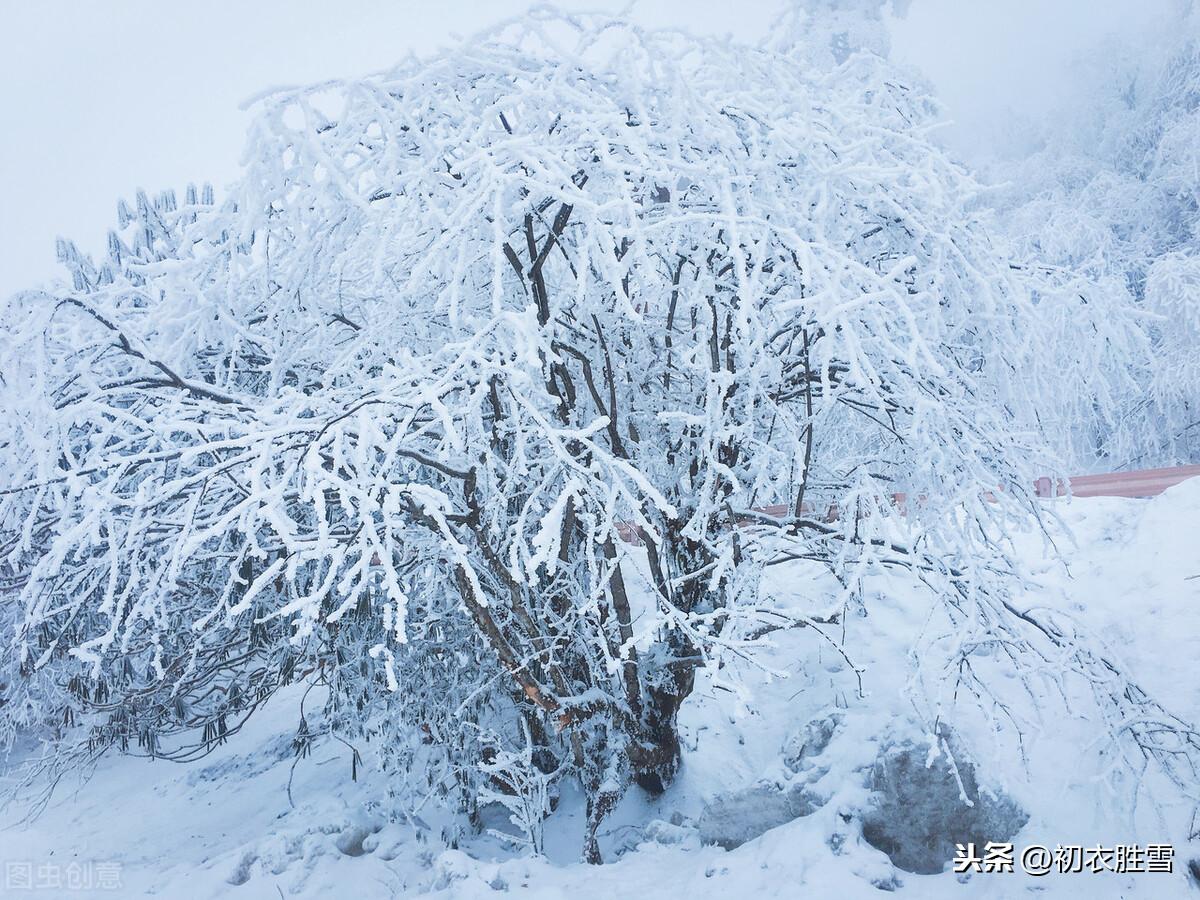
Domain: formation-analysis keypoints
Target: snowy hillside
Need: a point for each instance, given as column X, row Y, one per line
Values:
column 224, row 827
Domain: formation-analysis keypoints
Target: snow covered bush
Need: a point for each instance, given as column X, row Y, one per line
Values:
column 468, row 401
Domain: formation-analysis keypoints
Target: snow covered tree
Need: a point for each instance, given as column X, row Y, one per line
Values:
column 488, row 393
column 1105, row 212
column 825, row 33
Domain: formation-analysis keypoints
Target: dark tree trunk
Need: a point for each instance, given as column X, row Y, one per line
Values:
column 654, row 751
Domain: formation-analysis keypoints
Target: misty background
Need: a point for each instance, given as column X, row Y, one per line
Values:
column 101, row 99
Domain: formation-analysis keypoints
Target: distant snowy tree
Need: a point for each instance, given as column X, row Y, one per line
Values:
column 390, row 416
column 826, row 33
column 1108, row 210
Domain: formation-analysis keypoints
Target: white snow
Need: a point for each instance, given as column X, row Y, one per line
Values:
column 224, row 826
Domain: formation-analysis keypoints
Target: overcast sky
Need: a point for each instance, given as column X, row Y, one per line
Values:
column 100, row 99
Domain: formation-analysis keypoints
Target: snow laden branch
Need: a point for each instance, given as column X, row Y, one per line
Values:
column 380, row 419
column 1105, row 217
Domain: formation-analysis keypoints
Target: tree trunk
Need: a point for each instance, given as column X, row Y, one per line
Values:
column 654, row 752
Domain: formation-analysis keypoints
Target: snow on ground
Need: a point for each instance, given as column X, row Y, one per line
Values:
column 225, row 827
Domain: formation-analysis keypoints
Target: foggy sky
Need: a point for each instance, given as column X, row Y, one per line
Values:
column 100, row 99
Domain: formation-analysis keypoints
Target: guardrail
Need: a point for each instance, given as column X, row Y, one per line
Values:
column 1137, row 483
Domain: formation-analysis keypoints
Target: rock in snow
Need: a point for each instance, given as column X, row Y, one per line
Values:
column 920, row 812
column 810, row 741
column 730, row 819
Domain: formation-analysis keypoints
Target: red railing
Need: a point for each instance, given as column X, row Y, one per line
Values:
column 1138, row 483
